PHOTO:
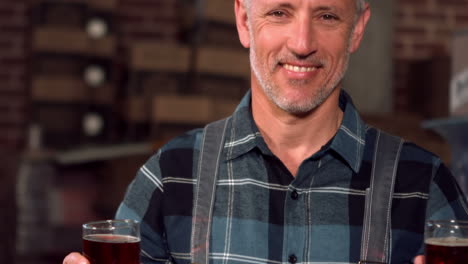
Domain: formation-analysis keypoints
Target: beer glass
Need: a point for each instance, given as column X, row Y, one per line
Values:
column 446, row 242
column 112, row 242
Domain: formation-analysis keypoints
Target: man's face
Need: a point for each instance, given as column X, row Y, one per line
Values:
column 299, row 49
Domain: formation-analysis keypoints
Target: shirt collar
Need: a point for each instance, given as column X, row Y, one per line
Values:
column 348, row 142
column 244, row 134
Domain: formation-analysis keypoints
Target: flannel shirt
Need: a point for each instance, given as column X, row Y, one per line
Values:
column 262, row 214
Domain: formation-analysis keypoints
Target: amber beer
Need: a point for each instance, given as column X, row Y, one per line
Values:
column 111, row 249
column 446, row 242
column 112, row 242
column 450, row 250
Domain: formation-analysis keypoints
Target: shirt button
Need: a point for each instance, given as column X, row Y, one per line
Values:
column 292, row 258
column 294, row 195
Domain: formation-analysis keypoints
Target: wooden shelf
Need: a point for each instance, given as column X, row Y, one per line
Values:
column 408, row 126
column 58, row 89
column 158, row 56
column 137, row 109
column 55, row 39
column 190, row 110
column 103, row 4
column 97, row 4
column 91, row 153
column 68, row 90
column 223, row 61
column 99, row 153
column 220, row 11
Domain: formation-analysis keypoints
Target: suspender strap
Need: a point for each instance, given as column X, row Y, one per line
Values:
column 375, row 246
column 210, row 153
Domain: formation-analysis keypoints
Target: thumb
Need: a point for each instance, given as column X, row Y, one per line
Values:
column 419, row 259
column 75, row 258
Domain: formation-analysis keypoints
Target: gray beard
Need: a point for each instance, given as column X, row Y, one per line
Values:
column 296, row 109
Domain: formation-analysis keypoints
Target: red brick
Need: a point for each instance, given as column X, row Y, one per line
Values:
column 12, row 119
column 457, row 3
column 413, row 31
column 12, row 29
column 13, row 86
column 444, row 34
column 125, row 18
column 12, row 137
column 12, row 102
column 428, row 48
column 146, row 3
column 462, row 20
column 5, row 44
column 412, row 2
column 398, row 47
column 16, row 38
column 430, row 16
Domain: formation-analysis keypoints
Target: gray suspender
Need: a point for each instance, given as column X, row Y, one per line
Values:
column 376, row 228
column 375, row 244
column 210, row 153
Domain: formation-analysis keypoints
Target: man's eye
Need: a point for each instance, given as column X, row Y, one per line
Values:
column 277, row 14
column 329, row 17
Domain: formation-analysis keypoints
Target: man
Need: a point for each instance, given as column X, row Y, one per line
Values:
column 296, row 159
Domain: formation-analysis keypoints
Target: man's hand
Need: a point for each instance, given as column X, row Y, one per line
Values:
column 419, row 260
column 75, row 258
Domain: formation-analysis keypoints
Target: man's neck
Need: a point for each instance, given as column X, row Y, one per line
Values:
column 294, row 138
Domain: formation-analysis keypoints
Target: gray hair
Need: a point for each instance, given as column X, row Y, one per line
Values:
column 360, row 6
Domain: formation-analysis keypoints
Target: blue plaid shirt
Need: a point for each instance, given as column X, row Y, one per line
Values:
column 262, row 214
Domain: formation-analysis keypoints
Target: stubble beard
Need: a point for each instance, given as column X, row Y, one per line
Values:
column 273, row 91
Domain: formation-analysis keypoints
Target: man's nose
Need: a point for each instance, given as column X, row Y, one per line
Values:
column 302, row 38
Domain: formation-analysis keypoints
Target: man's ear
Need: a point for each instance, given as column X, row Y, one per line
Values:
column 359, row 29
column 242, row 22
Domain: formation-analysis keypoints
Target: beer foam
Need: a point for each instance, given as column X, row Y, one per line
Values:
column 112, row 238
column 447, row 241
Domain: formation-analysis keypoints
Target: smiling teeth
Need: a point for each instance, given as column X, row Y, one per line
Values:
column 299, row 69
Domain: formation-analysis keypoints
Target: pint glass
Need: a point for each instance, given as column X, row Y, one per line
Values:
column 112, row 242
column 446, row 242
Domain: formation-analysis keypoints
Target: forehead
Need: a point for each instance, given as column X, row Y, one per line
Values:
column 349, row 5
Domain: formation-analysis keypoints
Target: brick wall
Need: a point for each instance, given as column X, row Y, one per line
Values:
column 138, row 20
column 147, row 20
column 423, row 30
column 13, row 74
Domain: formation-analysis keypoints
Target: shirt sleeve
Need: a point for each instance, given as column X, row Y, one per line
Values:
column 142, row 202
column 446, row 200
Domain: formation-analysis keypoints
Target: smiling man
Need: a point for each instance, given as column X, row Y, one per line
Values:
column 295, row 178
column 299, row 53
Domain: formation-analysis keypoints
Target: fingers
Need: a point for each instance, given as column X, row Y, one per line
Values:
column 75, row 258
column 419, row 260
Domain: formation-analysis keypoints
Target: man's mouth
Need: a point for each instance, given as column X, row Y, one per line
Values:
column 295, row 68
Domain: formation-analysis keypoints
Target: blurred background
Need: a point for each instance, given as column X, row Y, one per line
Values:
column 90, row 88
